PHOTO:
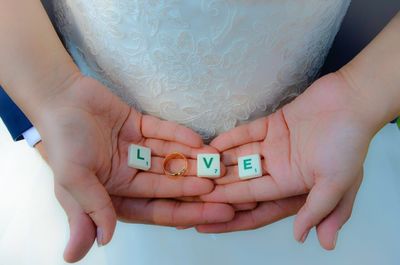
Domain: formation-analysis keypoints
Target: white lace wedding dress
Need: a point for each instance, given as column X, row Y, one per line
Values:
column 210, row 65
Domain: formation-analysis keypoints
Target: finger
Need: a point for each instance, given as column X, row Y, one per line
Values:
column 189, row 199
column 149, row 185
column 176, row 165
column 93, row 198
column 323, row 198
column 245, row 206
column 82, row 229
column 254, row 190
column 171, row 212
column 230, row 157
column 237, row 206
column 163, row 148
column 252, row 132
column 329, row 228
column 266, row 213
column 153, row 127
column 232, row 175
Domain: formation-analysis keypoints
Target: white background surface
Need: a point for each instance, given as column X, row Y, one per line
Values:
column 33, row 227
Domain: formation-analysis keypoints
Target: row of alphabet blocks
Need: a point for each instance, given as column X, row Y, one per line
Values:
column 208, row 165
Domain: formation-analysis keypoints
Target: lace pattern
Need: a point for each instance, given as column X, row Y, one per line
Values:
column 207, row 64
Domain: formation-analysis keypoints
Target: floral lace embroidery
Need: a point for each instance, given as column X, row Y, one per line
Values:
column 207, row 64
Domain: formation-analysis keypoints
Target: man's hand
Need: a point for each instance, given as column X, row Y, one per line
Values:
column 316, row 144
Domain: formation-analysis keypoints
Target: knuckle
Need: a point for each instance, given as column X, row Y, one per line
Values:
column 103, row 207
column 174, row 211
column 336, row 186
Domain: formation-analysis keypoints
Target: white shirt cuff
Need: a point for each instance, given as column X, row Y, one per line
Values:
column 32, row 136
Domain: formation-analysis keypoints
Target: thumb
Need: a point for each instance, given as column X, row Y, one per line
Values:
column 329, row 228
column 93, row 198
column 321, row 201
column 82, row 229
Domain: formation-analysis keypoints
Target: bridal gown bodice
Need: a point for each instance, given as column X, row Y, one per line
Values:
column 207, row 64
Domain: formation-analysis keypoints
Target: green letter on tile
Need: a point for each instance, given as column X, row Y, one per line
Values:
column 247, row 164
column 208, row 164
column 138, row 155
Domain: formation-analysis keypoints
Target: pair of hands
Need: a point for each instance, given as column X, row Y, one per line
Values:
column 313, row 151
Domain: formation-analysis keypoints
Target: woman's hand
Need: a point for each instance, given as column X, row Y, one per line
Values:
column 86, row 131
column 315, row 144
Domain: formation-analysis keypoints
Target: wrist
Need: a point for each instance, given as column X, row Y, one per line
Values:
column 52, row 91
column 374, row 76
column 376, row 105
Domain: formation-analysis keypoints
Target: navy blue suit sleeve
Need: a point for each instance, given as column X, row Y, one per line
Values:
column 14, row 119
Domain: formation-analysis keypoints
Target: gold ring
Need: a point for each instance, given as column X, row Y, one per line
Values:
column 173, row 156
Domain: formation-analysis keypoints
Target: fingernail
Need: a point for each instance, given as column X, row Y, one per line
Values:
column 304, row 237
column 99, row 237
column 335, row 240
